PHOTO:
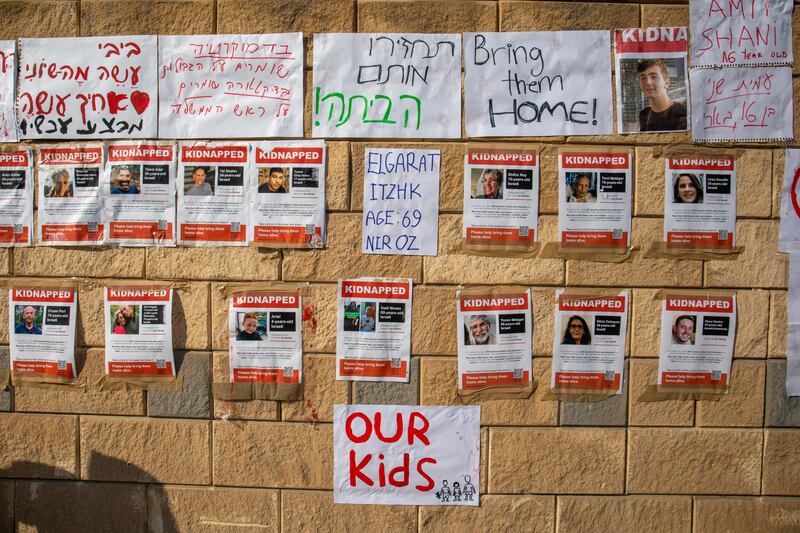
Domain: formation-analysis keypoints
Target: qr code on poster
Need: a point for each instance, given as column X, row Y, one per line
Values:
column 92, row 227
column 161, row 363
column 235, row 227
column 17, row 229
column 716, row 375
column 609, row 376
column 395, row 362
column 517, row 373
column 162, row 224
column 61, row 364
column 523, row 231
column 722, row 235
column 309, row 229
column 288, row 371
column 616, row 234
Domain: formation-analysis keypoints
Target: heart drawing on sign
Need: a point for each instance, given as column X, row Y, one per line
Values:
column 140, row 101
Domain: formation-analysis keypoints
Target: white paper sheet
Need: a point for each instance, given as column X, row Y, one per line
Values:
column 88, row 88
column 401, row 201
column 742, row 104
column 8, row 89
column 16, row 197
column 428, row 455
column 523, row 84
column 789, row 240
column 387, row 85
column 230, row 86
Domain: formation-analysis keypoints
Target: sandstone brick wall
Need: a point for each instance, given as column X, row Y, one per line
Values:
column 136, row 461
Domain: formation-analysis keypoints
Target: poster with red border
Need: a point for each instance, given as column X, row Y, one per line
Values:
column 373, row 325
column 138, row 321
column 41, row 329
column 16, row 197
column 70, row 199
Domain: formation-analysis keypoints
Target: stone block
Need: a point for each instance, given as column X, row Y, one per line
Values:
column 664, row 15
column 145, row 450
column 250, row 410
column 694, row 461
column 255, row 454
column 80, row 506
column 271, row 16
column 337, row 182
column 321, row 391
column 778, row 323
column 638, row 271
column 212, row 509
column 778, row 167
column 343, row 257
column 649, row 172
column 755, row 515
column 45, row 261
column 6, row 396
column 129, row 17
column 743, row 406
column 611, row 411
column 556, row 16
column 781, row 475
column 5, row 260
column 389, row 393
column 326, row 516
column 759, row 265
column 451, row 266
column 91, row 365
column 7, row 505
column 190, row 305
column 39, row 446
column 624, row 514
column 4, row 316
column 780, row 410
column 645, row 323
column 39, row 19
column 644, row 373
column 543, row 305
column 560, row 459
column 194, row 400
column 752, row 320
column 439, row 382
column 495, row 513
column 217, row 263
column 418, row 16
column 437, row 336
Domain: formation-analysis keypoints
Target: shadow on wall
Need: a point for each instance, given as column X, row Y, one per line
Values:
column 56, row 502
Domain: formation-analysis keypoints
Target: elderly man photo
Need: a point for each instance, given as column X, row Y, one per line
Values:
column 199, row 186
column 580, row 190
column 27, row 324
column 480, row 330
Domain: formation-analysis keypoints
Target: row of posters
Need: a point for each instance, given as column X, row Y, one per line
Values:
column 138, row 332
column 374, row 335
column 267, row 193
column 408, row 85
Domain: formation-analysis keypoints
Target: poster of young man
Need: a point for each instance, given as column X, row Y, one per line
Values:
column 406, row 455
column 70, row 201
column 41, row 329
column 494, row 338
column 589, row 342
column 373, row 325
column 697, row 335
column 700, row 202
column 265, row 337
column 16, row 197
column 501, row 198
column 652, row 80
column 139, row 193
column 594, row 200
column 139, row 332
column 288, row 194
column 213, row 194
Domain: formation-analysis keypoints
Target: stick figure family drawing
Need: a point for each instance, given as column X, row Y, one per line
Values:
column 457, row 491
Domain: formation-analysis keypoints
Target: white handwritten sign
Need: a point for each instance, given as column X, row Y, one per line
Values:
column 742, row 104
column 88, row 88
column 753, row 32
column 538, row 83
column 789, row 236
column 387, row 85
column 406, row 455
column 401, row 201
column 8, row 71
column 232, row 86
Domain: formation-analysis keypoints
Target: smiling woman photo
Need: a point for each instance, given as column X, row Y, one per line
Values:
column 577, row 331
column 686, row 189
